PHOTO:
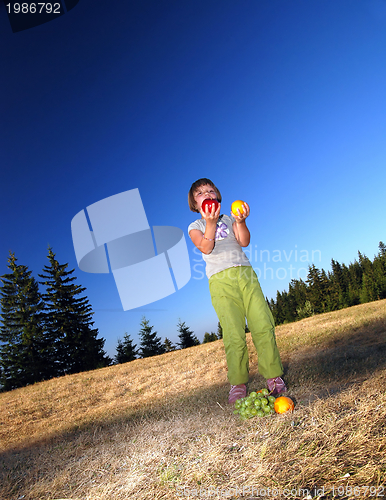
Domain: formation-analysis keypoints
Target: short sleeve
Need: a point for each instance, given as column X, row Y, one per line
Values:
column 197, row 224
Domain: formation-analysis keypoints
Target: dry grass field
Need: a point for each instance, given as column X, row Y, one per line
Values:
column 160, row 428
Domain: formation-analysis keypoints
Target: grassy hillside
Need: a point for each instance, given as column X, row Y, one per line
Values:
column 161, row 427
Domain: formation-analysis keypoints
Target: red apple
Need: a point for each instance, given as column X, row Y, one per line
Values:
column 208, row 203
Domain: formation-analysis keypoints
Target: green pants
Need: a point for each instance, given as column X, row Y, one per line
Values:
column 236, row 295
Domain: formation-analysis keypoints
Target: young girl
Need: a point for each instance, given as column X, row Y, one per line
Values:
column 235, row 291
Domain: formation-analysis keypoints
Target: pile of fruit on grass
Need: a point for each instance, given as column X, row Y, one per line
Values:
column 261, row 404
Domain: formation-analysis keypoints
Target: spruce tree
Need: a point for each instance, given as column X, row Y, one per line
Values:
column 346, row 286
column 168, row 345
column 382, row 249
column 337, row 287
column 23, row 348
column 219, row 330
column 298, row 296
column 150, row 344
column 68, row 321
column 278, row 312
column 287, row 310
column 379, row 264
column 290, row 306
column 126, row 351
column 355, row 283
column 209, row 337
column 369, row 290
column 186, row 336
column 317, row 288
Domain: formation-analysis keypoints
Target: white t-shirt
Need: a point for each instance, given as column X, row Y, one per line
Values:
column 227, row 252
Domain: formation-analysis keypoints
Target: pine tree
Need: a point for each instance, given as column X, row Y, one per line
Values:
column 272, row 306
column 186, row 336
column 68, row 322
column 219, row 330
column 209, row 337
column 317, row 288
column 150, row 344
column 355, row 283
column 325, row 290
column 126, row 351
column 168, row 345
column 287, row 307
column 380, row 270
column 346, row 286
column 278, row 309
column 23, row 348
column 337, row 287
column 290, row 304
column 369, row 291
column 297, row 295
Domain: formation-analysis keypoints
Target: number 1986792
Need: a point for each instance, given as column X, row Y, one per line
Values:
column 34, row 8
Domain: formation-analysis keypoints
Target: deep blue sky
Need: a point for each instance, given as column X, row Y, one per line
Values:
column 281, row 103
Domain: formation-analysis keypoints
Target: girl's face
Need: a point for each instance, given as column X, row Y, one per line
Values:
column 204, row 192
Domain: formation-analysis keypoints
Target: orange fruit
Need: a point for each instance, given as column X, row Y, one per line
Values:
column 235, row 205
column 283, row 404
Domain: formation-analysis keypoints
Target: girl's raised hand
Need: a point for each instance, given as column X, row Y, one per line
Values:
column 242, row 216
column 212, row 215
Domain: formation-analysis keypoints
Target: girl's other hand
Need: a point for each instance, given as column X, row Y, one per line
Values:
column 242, row 216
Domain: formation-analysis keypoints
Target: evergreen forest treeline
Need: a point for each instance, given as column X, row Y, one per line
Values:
column 344, row 286
column 50, row 334
column 151, row 345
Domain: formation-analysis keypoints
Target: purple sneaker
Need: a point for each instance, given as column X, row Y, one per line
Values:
column 276, row 386
column 237, row 392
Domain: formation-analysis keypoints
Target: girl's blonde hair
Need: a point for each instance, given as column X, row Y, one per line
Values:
column 194, row 188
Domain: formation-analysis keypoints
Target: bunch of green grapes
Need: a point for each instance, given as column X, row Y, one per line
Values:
column 257, row 404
